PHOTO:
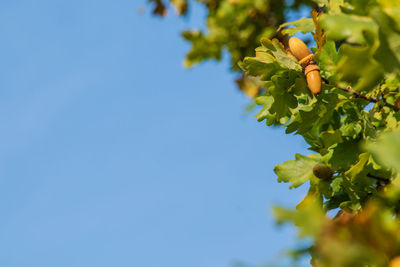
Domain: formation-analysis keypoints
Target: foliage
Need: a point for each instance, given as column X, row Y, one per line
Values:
column 235, row 26
column 352, row 126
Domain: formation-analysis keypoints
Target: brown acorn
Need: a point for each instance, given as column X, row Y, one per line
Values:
column 323, row 171
column 313, row 78
column 298, row 48
column 395, row 262
column 397, row 102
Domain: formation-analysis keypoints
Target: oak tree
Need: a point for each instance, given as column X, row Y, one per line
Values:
column 351, row 123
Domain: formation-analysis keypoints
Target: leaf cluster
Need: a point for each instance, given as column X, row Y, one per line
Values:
column 233, row 26
column 351, row 127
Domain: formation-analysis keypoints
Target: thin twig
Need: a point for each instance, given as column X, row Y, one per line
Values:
column 385, row 180
column 370, row 99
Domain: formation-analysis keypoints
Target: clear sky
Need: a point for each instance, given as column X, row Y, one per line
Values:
column 113, row 154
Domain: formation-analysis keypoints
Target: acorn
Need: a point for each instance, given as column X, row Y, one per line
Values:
column 299, row 49
column 323, row 171
column 313, row 78
column 397, row 102
column 395, row 262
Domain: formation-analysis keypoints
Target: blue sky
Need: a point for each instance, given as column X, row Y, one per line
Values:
column 113, row 154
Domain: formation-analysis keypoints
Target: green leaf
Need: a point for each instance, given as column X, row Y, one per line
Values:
column 267, row 102
column 303, row 25
column 201, row 48
column 297, row 171
column 263, row 67
column 309, row 217
column 330, row 138
column 275, row 48
column 386, row 150
column 347, row 27
column 282, row 105
column 388, row 53
column 391, row 8
column 321, row 3
column 358, row 67
column 355, row 200
column 337, row 184
column 339, row 197
column 343, row 155
column 334, row 6
column 324, row 187
column 328, row 58
column 358, row 168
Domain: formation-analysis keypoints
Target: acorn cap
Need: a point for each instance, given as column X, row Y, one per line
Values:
column 310, row 68
column 307, row 60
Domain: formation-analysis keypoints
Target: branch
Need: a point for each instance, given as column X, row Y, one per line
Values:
column 370, row 99
column 385, row 180
column 361, row 96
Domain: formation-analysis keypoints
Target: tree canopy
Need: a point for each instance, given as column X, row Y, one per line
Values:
column 352, row 126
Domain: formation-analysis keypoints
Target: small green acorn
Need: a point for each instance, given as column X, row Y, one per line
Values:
column 323, row 171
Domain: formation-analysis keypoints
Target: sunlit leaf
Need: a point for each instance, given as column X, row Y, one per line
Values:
column 296, row 171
